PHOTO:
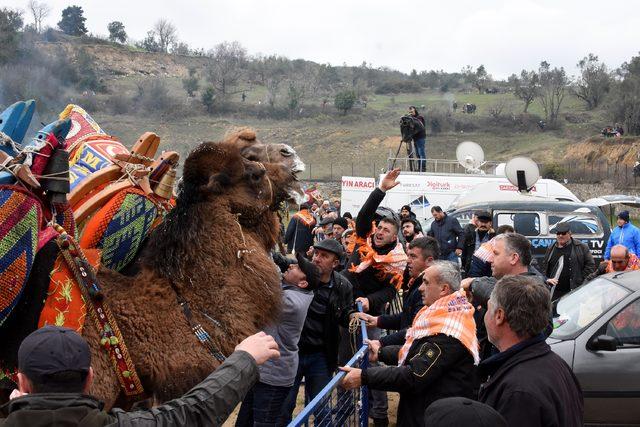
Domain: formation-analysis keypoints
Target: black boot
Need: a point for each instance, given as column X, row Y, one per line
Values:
column 381, row 422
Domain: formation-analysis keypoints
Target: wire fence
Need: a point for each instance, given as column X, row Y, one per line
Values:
column 334, row 406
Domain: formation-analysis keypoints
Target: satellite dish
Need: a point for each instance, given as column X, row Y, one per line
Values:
column 470, row 156
column 522, row 172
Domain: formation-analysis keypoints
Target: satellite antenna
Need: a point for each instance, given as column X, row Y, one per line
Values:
column 523, row 173
column 470, row 156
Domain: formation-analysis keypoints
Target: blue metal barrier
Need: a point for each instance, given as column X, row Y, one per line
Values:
column 334, row 406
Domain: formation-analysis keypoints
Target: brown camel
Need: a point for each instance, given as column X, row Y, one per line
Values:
column 212, row 250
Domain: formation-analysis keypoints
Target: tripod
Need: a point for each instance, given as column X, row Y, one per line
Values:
column 410, row 155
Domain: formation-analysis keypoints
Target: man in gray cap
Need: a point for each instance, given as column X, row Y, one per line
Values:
column 318, row 345
column 567, row 262
column 55, row 378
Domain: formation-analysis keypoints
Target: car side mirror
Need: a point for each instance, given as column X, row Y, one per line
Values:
column 603, row 343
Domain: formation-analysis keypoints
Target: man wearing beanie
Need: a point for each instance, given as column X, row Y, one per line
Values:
column 55, row 377
column 625, row 234
column 263, row 403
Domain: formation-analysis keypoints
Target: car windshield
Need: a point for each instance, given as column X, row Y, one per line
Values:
column 575, row 311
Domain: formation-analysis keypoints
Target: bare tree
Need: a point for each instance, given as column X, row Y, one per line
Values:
column 594, row 81
column 225, row 67
column 553, row 85
column 39, row 11
column 167, row 34
column 525, row 87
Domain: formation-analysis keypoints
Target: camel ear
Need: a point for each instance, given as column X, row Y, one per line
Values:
column 248, row 135
column 217, row 183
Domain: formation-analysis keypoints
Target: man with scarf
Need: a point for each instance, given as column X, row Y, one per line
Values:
column 475, row 236
column 299, row 237
column 621, row 260
column 440, row 349
column 375, row 268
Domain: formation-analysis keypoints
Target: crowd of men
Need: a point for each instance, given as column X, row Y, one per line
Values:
column 468, row 338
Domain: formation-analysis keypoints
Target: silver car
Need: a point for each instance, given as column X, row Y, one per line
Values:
column 597, row 332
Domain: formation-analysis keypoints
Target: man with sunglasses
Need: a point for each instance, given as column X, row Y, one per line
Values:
column 567, row 262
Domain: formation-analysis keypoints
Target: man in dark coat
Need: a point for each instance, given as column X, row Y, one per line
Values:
column 529, row 385
column 448, row 233
column 577, row 262
column 55, row 376
column 435, row 362
column 299, row 234
column 476, row 236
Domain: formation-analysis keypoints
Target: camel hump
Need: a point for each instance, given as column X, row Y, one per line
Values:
column 243, row 135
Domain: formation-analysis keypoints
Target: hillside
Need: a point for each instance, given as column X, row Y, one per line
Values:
column 332, row 144
column 606, row 150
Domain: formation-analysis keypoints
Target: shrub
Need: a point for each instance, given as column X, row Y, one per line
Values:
column 400, row 86
column 554, row 171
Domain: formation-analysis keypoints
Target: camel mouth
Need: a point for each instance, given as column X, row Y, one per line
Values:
column 297, row 168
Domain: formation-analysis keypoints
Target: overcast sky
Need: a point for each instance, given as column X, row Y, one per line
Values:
column 504, row 35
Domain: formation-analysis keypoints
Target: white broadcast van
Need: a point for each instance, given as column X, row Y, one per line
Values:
column 422, row 191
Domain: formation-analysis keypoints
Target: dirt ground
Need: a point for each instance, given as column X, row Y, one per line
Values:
column 393, row 409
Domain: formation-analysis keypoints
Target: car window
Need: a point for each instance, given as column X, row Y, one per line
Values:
column 525, row 223
column 463, row 217
column 580, row 223
column 625, row 326
column 576, row 310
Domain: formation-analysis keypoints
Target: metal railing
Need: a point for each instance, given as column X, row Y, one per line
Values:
column 334, row 406
column 410, row 164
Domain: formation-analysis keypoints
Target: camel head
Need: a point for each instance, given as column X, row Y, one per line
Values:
column 253, row 149
column 217, row 171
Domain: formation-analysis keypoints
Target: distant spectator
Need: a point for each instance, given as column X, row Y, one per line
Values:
column 625, row 234
column 337, row 205
column 406, row 212
column 447, row 231
column 340, row 225
column 299, row 237
column 475, row 237
column 577, row 262
column 529, row 385
column 621, row 260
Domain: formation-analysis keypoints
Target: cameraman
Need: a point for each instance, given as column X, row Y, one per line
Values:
column 420, row 140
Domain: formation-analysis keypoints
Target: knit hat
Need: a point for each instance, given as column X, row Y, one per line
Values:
column 460, row 411
column 624, row 215
column 342, row 222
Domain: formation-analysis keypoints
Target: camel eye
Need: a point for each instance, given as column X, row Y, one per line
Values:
column 285, row 152
column 253, row 158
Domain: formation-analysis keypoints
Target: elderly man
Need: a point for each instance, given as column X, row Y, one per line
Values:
column 625, row 234
column 437, row 358
column 567, row 262
column 529, row 385
column 423, row 252
column 621, row 260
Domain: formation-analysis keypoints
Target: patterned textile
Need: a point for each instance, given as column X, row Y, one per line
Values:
column 20, row 217
column 451, row 315
column 82, row 126
column 65, row 305
column 391, row 264
column 120, row 227
column 64, row 217
column 634, row 264
column 93, row 154
column 485, row 251
column 305, row 217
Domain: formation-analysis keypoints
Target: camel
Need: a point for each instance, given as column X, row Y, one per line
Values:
column 212, row 251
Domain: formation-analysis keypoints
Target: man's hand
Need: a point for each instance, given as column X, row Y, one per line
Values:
column 16, row 393
column 365, row 303
column 389, row 180
column 374, row 349
column 458, row 252
column 465, row 284
column 260, row 346
column 353, row 379
column 552, row 282
column 368, row 319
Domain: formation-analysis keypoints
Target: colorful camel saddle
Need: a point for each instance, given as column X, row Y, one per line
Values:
column 117, row 195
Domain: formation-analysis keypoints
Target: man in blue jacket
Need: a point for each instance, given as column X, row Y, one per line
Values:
column 625, row 234
column 447, row 231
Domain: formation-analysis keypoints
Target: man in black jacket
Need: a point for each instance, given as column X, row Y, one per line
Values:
column 475, row 236
column 436, row 364
column 529, row 385
column 423, row 252
column 448, row 233
column 55, row 377
column 577, row 262
column 299, row 234
column 320, row 337
column 374, row 274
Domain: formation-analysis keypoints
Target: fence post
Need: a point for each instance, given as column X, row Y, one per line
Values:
column 309, row 171
column 331, row 171
column 352, row 173
column 374, row 169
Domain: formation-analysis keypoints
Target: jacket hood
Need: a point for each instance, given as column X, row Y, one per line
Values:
column 498, row 365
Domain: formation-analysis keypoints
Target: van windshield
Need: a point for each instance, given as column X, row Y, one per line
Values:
column 575, row 311
column 582, row 224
